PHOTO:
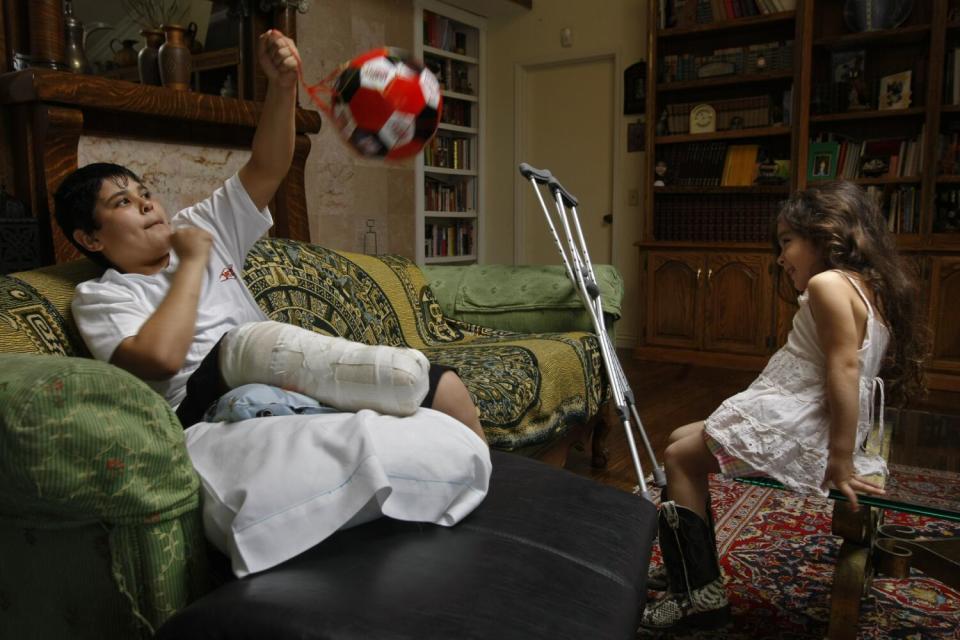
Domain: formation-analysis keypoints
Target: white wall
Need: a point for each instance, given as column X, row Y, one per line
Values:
column 616, row 26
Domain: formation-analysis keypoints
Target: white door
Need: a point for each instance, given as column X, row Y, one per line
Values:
column 566, row 125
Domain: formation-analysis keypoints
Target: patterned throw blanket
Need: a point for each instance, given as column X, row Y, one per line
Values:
column 529, row 387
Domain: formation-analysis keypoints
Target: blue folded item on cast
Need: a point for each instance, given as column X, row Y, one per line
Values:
column 260, row 401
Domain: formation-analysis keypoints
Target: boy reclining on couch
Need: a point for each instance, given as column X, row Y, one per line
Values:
column 172, row 309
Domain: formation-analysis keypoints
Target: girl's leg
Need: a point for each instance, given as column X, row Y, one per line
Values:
column 681, row 432
column 453, row 399
column 688, row 464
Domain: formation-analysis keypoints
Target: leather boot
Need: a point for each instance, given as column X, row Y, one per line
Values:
column 657, row 577
column 696, row 596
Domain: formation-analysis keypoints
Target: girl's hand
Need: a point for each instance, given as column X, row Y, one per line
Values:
column 840, row 474
column 279, row 58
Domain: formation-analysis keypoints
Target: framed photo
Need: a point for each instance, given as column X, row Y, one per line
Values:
column 636, row 134
column 635, row 89
column 822, row 161
column 895, row 91
column 847, row 65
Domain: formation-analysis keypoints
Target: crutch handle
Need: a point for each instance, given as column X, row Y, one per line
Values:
column 542, row 176
column 566, row 196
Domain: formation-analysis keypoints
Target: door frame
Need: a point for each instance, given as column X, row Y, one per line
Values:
column 521, row 70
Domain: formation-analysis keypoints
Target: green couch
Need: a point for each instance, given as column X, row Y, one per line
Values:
column 100, row 527
column 525, row 299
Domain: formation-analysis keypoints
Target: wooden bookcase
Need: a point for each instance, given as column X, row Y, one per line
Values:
column 449, row 172
column 708, row 276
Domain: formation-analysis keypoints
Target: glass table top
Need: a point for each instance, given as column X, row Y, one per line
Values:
column 924, row 464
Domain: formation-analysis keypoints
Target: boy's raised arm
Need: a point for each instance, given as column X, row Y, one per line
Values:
column 273, row 140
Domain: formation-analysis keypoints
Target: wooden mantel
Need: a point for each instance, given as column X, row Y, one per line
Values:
column 50, row 110
column 103, row 94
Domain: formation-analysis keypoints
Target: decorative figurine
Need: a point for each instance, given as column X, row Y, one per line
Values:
column 663, row 126
column 660, row 177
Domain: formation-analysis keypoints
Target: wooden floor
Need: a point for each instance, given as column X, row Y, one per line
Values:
column 671, row 395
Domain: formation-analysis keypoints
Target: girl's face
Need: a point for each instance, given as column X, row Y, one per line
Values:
column 799, row 258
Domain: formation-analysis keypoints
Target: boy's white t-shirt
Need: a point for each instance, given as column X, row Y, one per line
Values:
column 115, row 306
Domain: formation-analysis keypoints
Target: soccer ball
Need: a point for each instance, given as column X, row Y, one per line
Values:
column 385, row 104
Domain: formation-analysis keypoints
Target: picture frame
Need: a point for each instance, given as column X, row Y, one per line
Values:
column 636, row 136
column 635, row 89
column 895, row 91
column 822, row 161
column 847, row 66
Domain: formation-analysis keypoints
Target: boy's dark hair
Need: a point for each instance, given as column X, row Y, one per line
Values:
column 76, row 199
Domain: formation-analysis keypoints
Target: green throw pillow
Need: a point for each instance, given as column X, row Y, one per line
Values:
column 84, row 441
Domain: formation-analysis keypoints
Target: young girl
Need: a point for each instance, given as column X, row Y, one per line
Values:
column 804, row 419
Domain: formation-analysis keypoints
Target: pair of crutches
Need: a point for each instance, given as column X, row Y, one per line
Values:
column 576, row 260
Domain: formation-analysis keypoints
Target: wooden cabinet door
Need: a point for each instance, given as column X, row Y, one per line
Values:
column 673, row 305
column 945, row 313
column 738, row 303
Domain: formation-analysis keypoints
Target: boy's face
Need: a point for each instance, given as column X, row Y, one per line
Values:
column 134, row 232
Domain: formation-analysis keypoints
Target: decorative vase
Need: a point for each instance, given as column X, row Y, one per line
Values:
column 175, row 58
column 125, row 55
column 148, row 59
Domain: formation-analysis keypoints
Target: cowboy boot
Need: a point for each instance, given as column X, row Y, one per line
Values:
column 696, row 596
column 657, row 577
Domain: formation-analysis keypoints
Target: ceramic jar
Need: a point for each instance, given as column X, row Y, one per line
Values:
column 148, row 58
column 175, row 58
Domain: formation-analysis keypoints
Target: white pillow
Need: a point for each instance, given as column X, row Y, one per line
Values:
column 274, row 487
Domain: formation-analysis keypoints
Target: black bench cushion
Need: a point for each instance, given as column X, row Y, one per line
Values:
column 548, row 555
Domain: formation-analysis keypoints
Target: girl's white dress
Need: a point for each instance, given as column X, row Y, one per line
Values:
column 780, row 426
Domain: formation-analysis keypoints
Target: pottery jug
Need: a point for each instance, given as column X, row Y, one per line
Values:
column 175, row 59
column 124, row 55
column 193, row 44
column 76, row 37
column 148, row 59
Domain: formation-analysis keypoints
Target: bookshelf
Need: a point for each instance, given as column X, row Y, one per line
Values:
column 880, row 108
column 449, row 176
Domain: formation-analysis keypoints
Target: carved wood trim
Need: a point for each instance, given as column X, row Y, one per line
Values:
column 56, row 134
column 92, row 92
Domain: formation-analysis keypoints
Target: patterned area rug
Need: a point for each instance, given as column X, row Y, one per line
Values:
column 778, row 554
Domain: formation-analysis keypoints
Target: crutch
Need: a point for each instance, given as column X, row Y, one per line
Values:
column 580, row 271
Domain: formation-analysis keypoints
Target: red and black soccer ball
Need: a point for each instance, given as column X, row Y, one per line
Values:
column 385, row 104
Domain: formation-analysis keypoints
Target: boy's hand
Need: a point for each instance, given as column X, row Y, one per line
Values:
column 191, row 244
column 279, row 58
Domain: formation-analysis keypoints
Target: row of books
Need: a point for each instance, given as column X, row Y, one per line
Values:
column 448, row 152
column 731, row 113
column 948, row 153
column 883, row 158
column 458, row 112
column 452, row 75
column 901, row 207
column 445, row 239
column 687, row 13
column 946, row 218
column 440, row 33
column 459, row 196
column 951, row 77
column 740, row 60
column 723, row 218
column 716, row 164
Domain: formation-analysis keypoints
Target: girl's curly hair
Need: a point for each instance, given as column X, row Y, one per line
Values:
column 846, row 225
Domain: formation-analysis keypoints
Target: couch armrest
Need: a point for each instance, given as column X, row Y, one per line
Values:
column 84, row 441
column 524, row 298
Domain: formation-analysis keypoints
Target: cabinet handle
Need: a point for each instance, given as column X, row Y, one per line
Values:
column 699, row 273
column 709, row 275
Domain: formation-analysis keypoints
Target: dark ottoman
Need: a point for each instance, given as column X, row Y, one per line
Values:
column 547, row 555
